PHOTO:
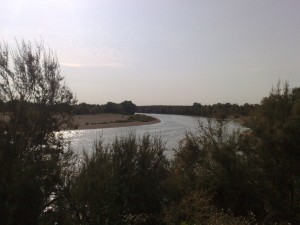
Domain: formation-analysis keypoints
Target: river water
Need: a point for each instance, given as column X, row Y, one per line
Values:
column 172, row 129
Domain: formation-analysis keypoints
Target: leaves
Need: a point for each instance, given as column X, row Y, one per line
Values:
column 33, row 159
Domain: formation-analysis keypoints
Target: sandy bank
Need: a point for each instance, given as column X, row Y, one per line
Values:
column 107, row 120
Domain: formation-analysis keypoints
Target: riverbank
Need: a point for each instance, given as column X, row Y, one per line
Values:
column 110, row 120
column 242, row 120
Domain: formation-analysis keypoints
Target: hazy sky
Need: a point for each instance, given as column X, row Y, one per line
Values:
column 164, row 51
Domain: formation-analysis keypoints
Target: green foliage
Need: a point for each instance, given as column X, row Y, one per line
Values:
column 222, row 162
column 122, row 182
column 136, row 118
column 32, row 156
column 216, row 177
column 215, row 110
column 84, row 109
column 126, row 107
column 196, row 208
column 131, row 182
column 277, row 124
column 140, row 117
column 255, row 171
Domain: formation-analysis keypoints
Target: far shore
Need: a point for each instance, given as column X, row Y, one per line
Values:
column 107, row 120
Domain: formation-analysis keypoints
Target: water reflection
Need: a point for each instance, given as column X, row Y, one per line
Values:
column 172, row 129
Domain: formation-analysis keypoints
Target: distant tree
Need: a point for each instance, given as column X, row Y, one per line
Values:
column 32, row 156
column 84, row 108
column 81, row 109
column 216, row 110
column 111, row 107
column 197, row 109
column 128, row 107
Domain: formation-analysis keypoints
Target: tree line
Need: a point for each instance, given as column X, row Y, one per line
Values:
column 125, row 107
column 217, row 176
column 197, row 109
column 129, row 108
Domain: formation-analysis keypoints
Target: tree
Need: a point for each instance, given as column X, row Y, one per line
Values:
column 111, row 107
column 277, row 125
column 32, row 155
column 253, row 171
column 196, row 208
column 128, row 107
column 222, row 162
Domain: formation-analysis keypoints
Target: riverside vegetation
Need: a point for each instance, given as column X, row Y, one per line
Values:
column 216, row 176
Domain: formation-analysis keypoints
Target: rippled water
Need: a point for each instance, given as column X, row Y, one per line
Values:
column 172, row 129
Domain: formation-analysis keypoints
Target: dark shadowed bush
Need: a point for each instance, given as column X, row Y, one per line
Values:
column 32, row 156
column 122, row 183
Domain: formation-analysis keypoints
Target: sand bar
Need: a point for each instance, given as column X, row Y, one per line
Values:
column 107, row 120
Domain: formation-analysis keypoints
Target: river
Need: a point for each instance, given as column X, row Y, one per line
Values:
column 172, row 129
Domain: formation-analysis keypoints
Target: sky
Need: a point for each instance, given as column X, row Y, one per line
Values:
column 164, row 52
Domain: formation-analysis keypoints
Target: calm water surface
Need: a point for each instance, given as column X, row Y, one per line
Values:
column 172, row 129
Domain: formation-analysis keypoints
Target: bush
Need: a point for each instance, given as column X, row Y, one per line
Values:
column 122, row 182
column 140, row 117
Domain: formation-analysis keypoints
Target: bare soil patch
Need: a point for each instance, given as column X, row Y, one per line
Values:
column 107, row 120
